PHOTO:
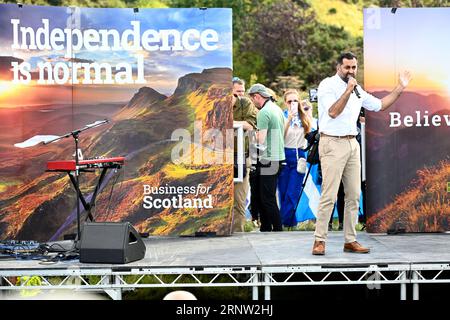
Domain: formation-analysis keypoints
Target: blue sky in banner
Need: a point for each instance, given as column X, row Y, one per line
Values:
column 162, row 69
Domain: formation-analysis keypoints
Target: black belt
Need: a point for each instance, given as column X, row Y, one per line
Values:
column 340, row 137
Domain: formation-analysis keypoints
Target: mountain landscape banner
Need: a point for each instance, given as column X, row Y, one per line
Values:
column 408, row 145
column 162, row 80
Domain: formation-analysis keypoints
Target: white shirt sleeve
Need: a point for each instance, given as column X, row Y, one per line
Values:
column 370, row 102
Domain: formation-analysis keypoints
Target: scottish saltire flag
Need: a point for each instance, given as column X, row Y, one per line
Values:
column 309, row 202
column 248, row 215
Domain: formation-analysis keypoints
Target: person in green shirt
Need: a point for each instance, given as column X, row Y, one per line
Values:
column 244, row 114
column 270, row 124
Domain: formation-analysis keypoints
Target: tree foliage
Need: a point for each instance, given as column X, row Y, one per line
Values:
column 279, row 34
column 290, row 42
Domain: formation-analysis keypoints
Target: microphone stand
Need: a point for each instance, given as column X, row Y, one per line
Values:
column 75, row 134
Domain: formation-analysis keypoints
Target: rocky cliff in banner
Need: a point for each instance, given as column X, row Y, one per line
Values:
column 42, row 206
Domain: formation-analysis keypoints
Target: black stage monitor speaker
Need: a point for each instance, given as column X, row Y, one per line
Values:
column 110, row 242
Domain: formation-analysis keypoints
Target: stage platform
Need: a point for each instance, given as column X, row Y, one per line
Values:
column 254, row 260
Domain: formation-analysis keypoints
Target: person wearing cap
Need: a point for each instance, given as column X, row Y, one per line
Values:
column 244, row 113
column 270, row 124
column 340, row 101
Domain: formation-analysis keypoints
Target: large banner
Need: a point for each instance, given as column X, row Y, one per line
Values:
column 162, row 80
column 408, row 145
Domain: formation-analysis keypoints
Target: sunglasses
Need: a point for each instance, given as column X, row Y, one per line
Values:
column 235, row 79
column 290, row 101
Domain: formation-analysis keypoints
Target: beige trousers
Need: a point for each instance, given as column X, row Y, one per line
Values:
column 240, row 195
column 340, row 159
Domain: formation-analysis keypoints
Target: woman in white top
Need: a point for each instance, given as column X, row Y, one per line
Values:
column 297, row 125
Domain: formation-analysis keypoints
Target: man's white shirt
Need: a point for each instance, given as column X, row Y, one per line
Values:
column 329, row 91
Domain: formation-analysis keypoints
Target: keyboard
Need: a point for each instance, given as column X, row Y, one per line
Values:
column 69, row 165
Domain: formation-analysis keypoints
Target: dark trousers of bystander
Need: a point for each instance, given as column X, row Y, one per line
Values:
column 254, row 195
column 267, row 179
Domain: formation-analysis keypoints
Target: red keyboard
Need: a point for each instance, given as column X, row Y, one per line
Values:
column 69, row 165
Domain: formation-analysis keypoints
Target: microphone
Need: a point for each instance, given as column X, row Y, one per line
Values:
column 355, row 89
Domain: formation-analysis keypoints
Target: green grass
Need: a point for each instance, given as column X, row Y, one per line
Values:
column 340, row 14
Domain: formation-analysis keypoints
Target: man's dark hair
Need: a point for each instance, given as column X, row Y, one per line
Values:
column 345, row 55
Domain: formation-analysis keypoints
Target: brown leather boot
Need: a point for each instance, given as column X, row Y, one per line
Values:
column 355, row 247
column 318, row 248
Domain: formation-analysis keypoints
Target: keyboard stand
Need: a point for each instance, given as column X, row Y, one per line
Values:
column 75, row 134
column 88, row 206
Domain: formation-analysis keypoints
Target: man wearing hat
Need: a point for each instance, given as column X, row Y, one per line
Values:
column 270, row 125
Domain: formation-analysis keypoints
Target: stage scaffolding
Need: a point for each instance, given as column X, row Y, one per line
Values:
column 114, row 281
column 259, row 261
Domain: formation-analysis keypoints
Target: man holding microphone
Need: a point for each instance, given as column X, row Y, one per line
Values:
column 340, row 100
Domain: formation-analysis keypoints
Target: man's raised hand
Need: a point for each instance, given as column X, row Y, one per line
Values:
column 404, row 78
